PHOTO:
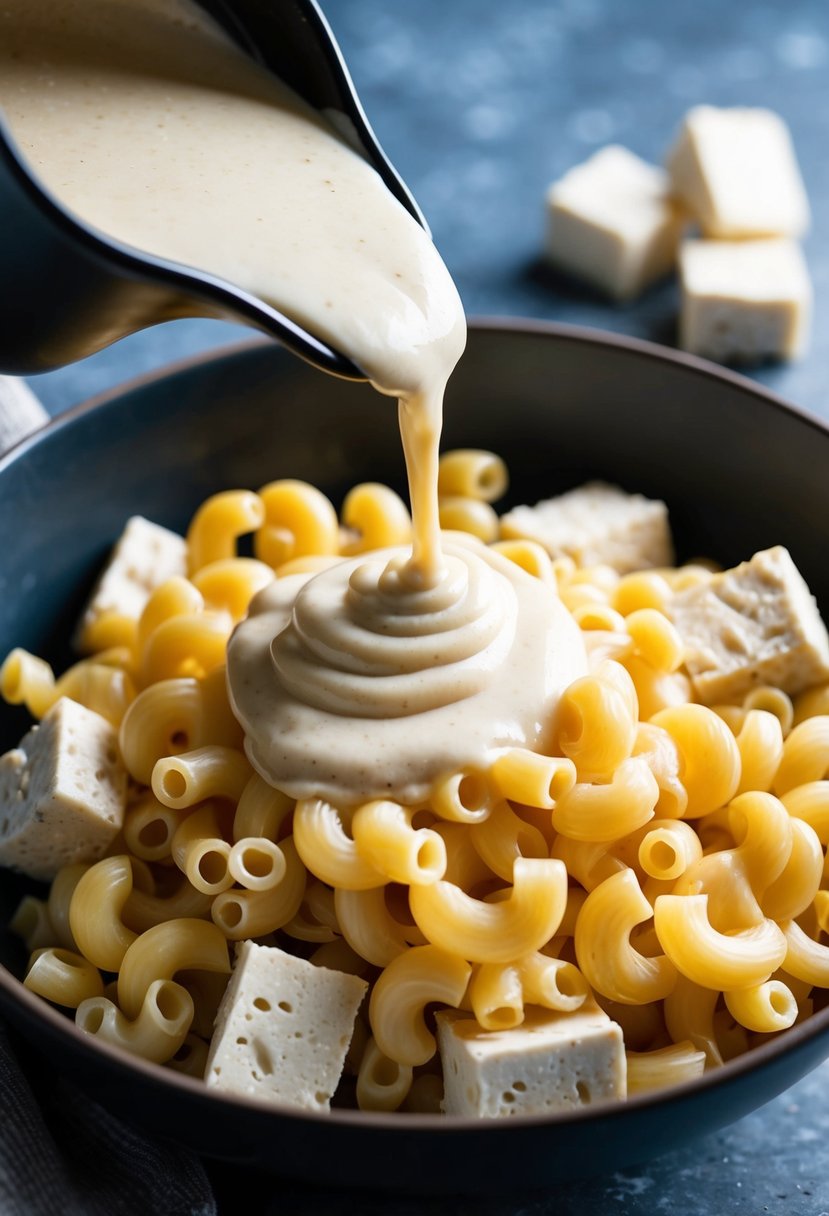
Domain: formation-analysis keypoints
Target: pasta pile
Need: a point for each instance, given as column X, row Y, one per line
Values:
column 669, row 858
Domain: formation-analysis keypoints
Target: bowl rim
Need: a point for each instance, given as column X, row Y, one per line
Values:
column 495, row 323
column 612, row 1109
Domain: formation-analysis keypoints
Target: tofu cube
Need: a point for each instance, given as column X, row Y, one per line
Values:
column 551, row 1062
column 144, row 557
column 755, row 624
column 736, row 171
column 62, row 792
column 283, row 1028
column 743, row 301
column 597, row 524
column 612, row 222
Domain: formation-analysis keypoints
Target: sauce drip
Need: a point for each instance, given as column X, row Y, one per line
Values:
column 382, row 673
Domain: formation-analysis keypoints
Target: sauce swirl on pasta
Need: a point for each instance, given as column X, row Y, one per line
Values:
column 352, row 684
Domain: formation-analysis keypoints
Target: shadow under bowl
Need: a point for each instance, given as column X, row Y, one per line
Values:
column 740, row 471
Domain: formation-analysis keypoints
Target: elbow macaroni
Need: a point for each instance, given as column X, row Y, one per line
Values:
column 666, row 857
column 598, row 719
column 494, row 932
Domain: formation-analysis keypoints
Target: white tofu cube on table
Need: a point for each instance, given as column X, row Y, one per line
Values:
column 754, row 624
column 597, row 524
column 736, row 171
column 143, row 558
column 743, row 301
column 612, row 222
column 283, row 1028
column 62, row 792
column 551, row 1062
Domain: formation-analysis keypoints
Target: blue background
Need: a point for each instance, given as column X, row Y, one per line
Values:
column 480, row 104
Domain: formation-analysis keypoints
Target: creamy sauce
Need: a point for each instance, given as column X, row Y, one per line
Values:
column 352, row 685
column 380, row 674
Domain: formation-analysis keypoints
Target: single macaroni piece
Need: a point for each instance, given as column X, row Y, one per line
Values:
column 182, row 781
column 689, row 1017
column 149, row 827
column 744, row 300
column 552, row 1061
column 382, row 1084
column 711, row 959
column 62, row 792
column 261, row 810
column 374, row 517
column 765, row 1008
column 95, row 912
column 298, row 521
column 62, row 976
column 534, row 780
column 597, row 721
column 283, row 1028
column 755, row 624
column 162, row 951
column 805, row 757
column 158, row 1030
column 471, row 515
column 708, row 755
column 612, row 222
column 328, row 851
column 796, row 887
column 369, row 927
column 806, row 959
column 606, row 957
column 472, row 474
column 175, row 716
column 664, row 1066
column 145, row 556
column 736, row 171
column 218, row 524
column 229, row 585
column 200, row 851
column 495, row 932
column 59, row 902
column 384, row 835
column 401, row 996
column 597, row 524
column 606, row 812
column 760, row 742
column 175, row 597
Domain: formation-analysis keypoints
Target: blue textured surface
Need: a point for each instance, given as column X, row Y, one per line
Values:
column 480, row 104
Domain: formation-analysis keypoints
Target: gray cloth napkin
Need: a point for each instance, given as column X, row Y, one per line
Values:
column 60, row 1152
column 20, row 412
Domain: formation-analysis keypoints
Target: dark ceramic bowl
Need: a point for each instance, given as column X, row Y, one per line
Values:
column 740, row 471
